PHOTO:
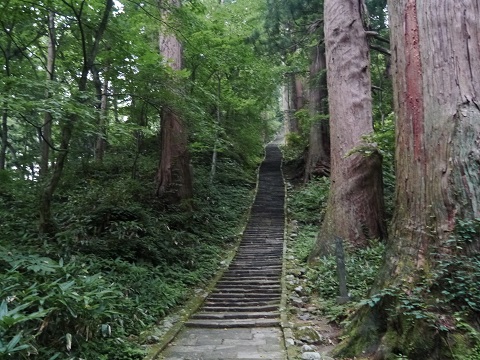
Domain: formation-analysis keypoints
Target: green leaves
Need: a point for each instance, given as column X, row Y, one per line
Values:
column 43, row 297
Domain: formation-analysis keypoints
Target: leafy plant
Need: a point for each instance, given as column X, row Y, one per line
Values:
column 48, row 302
column 307, row 204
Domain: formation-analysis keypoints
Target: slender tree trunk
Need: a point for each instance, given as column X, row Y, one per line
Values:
column 4, row 128
column 317, row 161
column 115, row 104
column 436, row 74
column 217, row 125
column 3, row 148
column 102, row 137
column 46, row 224
column 174, row 176
column 355, row 210
column 46, row 131
column 102, row 98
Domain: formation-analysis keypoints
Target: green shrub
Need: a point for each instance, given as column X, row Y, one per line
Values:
column 307, row 204
column 48, row 305
column 362, row 266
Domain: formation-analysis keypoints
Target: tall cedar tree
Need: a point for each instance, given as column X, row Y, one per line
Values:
column 355, row 210
column 436, row 70
column 174, row 176
column 317, row 162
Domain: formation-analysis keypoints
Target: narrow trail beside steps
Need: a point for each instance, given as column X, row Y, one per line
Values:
column 240, row 319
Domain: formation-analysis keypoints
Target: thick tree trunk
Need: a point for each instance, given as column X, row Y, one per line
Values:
column 317, row 161
column 174, row 179
column 174, row 176
column 436, row 73
column 299, row 95
column 355, row 210
column 295, row 102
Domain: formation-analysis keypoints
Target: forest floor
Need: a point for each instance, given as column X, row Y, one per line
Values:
column 306, row 329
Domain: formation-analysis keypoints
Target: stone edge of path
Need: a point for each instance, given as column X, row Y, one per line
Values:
column 284, row 323
column 191, row 306
column 188, row 309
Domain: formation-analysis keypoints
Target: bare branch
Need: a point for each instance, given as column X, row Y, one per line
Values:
column 380, row 49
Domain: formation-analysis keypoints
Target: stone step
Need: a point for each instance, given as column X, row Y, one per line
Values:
column 254, row 265
column 235, row 298
column 246, row 308
column 237, row 315
column 242, row 287
column 241, row 303
column 245, row 292
column 247, row 278
column 248, row 286
column 233, row 323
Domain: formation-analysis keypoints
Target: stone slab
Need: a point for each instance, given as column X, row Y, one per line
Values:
column 227, row 344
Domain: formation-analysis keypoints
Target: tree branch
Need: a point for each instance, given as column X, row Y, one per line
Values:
column 380, row 49
column 377, row 36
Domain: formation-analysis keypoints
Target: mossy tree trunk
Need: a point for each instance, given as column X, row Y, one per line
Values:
column 355, row 210
column 436, row 74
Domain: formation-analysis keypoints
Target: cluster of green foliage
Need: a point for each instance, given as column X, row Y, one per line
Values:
column 447, row 299
column 119, row 261
column 115, row 258
column 306, row 205
column 362, row 265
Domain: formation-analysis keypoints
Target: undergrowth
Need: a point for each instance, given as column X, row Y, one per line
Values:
column 120, row 259
column 306, row 208
column 446, row 300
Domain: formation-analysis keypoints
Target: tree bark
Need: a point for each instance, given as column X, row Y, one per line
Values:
column 4, row 137
column 355, row 210
column 174, row 177
column 174, row 180
column 436, row 73
column 213, row 167
column 102, row 98
column 46, row 131
column 295, row 102
column 317, row 161
column 4, row 128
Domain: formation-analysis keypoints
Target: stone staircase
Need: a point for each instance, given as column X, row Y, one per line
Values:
column 249, row 293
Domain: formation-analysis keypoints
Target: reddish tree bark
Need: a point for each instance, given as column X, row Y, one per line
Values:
column 174, row 176
column 355, row 210
column 174, row 180
column 436, row 73
column 317, row 161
